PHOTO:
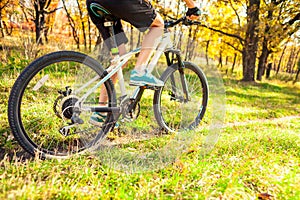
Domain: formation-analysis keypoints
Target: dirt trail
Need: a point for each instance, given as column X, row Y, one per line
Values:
column 145, row 136
column 155, row 133
column 275, row 120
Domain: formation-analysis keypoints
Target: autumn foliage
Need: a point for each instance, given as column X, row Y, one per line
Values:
column 258, row 35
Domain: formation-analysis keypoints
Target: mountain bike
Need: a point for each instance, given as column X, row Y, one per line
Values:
column 52, row 100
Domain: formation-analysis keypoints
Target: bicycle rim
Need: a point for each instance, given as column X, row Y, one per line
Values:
column 42, row 100
column 174, row 111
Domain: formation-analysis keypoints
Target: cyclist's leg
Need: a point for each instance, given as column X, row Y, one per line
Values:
column 143, row 16
column 139, row 75
column 148, row 44
column 99, row 22
column 121, row 39
column 103, row 96
column 98, row 118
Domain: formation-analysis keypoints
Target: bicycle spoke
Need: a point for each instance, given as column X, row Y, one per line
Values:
column 179, row 104
column 44, row 119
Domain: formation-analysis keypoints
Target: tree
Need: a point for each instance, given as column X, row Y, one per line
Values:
column 39, row 11
column 72, row 24
column 3, row 5
column 83, row 19
column 244, row 31
column 251, row 40
column 298, row 70
column 8, row 8
column 276, row 28
column 78, row 20
column 256, row 35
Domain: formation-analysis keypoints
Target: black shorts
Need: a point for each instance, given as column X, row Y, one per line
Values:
column 138, row 13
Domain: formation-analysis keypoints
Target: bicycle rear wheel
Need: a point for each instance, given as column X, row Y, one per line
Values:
column 181, row 103
column 41, row 105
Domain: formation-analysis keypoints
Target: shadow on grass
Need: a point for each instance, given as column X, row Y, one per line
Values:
column 264, row 96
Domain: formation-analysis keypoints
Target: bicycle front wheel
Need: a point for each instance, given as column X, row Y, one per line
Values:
column 181, row 103
column 41, row 107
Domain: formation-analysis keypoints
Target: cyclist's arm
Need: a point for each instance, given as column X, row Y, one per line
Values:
column 190, row 3
column 193, row 11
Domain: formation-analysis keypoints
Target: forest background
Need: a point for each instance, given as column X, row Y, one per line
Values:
column 255, row 46
column 258, row 35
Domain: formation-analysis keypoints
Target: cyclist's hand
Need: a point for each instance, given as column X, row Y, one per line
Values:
column 193, row 13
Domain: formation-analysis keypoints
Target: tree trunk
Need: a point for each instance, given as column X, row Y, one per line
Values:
column 298, row 71
column 268, row 71
column 4, row 4
column 179, row 43
column 131, row 38
column 280, row 59
column 40, row 22
column 294, row 64
column 262, row 60
column 138, row 44
column 72, row 24
column 188, row 45
column 89, row 34
column 290, row 61
column 251, row 41
column 206, row 52
column 220, row 59
column 234, row 61
column 82, row 25
column 193, row 44
column 297, row 75
column 1, row 27
column 37, row 23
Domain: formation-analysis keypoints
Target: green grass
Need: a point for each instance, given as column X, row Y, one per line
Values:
column 241, row 166
column 264, row 100
column 258, row 151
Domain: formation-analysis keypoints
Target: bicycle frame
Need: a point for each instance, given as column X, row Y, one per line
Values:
column 60, row 84
column 116, row 67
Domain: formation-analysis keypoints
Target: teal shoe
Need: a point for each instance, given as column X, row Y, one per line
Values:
column 98, row 119
column 148, row 79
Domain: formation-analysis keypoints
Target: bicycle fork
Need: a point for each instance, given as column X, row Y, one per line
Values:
column 171, row 56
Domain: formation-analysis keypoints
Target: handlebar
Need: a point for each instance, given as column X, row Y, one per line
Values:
column 184, row 20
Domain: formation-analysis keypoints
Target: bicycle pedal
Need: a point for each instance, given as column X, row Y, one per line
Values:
column 137, row 84
column 152, row 87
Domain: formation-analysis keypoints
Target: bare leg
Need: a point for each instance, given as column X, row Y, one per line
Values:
column 155, row 31
column 103, row 94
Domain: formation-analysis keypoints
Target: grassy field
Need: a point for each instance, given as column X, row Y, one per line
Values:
column 256, row 156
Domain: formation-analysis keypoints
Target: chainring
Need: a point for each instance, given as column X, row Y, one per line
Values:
column 127, row 113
